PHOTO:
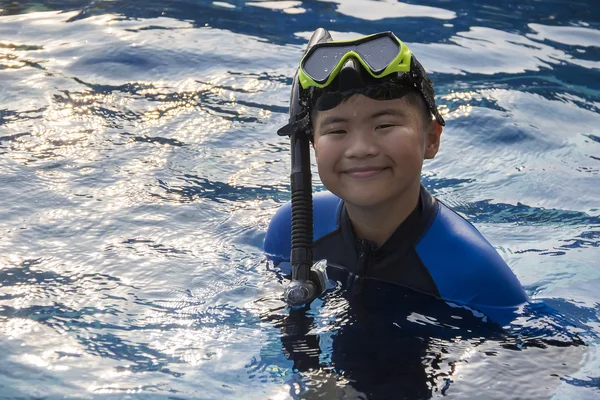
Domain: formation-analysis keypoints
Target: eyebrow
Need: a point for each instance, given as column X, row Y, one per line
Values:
column 394, row 112
column 332, row 120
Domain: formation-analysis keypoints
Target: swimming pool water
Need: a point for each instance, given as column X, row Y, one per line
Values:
column 139, row 168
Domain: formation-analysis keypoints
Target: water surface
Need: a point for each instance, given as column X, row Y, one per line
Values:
column 139, row 169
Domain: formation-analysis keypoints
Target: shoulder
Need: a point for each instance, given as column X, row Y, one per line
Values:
column 278, row 240
column 465, row 266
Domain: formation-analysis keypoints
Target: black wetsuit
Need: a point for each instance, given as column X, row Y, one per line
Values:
column 434, row 251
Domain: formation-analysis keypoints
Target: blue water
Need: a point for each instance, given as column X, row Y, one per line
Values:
column 139, row 167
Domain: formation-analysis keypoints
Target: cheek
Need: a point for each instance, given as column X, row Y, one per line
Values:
column 407, row 153
column 323, row 149
column 326, row 156
column 404, row 148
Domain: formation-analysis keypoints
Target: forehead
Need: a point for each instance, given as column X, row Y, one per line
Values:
column 360, row 107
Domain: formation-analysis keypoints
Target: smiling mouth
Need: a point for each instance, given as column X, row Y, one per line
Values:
column 364, row 173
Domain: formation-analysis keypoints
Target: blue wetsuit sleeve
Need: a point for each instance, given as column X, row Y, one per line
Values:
column 278, row 240
column 467, row 270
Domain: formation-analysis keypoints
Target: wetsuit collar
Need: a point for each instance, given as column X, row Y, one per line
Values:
column 406, row 235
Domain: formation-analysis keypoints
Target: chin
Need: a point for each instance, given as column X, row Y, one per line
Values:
column 364, row 199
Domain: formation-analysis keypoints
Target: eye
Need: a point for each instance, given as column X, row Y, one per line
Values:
column 336, row 132
column 384, row 126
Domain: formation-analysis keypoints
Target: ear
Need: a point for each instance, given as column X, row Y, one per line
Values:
column 434, row 131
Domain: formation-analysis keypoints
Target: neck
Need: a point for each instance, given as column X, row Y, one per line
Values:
column 378, row 223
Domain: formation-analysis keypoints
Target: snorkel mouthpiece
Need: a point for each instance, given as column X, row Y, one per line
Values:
column 301, row 292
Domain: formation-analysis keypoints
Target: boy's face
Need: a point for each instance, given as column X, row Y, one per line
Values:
column 369, row 152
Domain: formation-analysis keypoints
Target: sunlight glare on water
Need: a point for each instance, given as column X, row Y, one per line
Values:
column 140, row 166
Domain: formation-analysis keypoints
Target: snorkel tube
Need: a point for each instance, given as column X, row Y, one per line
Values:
column 301, row 290
column 306, row 283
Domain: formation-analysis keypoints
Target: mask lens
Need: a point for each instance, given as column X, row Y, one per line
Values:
column 378, row 53
column 322, row 61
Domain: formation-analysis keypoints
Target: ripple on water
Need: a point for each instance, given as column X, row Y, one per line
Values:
column 139, row 166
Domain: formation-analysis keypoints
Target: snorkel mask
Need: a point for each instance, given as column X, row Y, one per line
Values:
column 379, row 66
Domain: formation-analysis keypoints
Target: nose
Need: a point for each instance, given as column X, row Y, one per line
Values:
column 361, row 144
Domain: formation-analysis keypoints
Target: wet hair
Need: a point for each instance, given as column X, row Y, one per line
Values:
column 415, row 99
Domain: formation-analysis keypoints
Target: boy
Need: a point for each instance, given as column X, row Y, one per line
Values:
column 369, row 109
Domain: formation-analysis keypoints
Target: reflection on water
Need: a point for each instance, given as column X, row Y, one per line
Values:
column 387, row 341
column 139, row 168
